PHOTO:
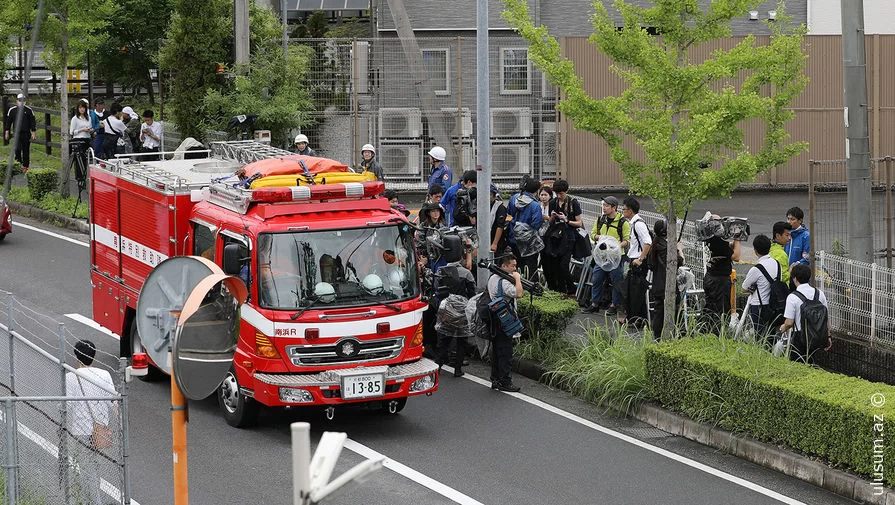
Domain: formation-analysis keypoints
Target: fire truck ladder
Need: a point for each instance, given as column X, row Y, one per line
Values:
column 246, row 151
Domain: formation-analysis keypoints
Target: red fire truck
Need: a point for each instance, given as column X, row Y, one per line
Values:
column 334, row 315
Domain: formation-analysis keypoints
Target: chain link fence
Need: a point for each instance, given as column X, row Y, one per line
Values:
column 827, row 215
column 50, row 450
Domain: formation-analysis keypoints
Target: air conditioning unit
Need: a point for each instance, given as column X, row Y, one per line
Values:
column 401, row 159
column 511, row 159
column 403, row 122
column 449, row 116
column 511, row 122
column 467, row 153
column 549, row 147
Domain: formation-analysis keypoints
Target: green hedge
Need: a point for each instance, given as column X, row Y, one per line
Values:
column 42, row 181
column 546, row 317
column 16, row 170
column 744, row 389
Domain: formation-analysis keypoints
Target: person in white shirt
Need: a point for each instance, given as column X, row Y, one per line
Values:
column 150, row 135
column 758, row 287
column 79, row 127
column 113, row 129
column 801, row 275
column 636, row 311
column 83, row 416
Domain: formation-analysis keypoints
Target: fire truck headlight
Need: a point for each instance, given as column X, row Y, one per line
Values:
column 295, row 395
column 423, row 384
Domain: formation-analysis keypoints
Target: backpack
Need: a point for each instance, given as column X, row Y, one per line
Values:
column 814, row 332
column 607, row 222
column 503, row 312
column 779, row 292
column 483, row 316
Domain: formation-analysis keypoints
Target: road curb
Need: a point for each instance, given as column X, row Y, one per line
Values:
column 767, row 455
column 46, row 216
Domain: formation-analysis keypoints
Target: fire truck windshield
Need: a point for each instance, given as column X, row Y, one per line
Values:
column 337, row 268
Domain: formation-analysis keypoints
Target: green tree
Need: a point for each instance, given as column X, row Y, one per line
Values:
column 198, row 38
column 135, row 33
column 69, row 29
column 685, row 117
column 275, row 88
column 314, row 26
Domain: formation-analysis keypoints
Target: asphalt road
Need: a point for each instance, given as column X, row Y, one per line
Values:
column 465, row 444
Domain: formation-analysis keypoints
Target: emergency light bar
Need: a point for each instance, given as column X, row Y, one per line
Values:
column 239, row 200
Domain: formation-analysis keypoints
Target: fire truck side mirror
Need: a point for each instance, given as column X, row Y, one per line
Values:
column 231, row 259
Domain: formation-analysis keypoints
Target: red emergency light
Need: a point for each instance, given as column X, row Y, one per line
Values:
column 140, row 361
column 318, row 192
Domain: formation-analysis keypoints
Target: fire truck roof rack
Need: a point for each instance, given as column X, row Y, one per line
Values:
column 149, row 175
column 246, row 151
column 239, row 199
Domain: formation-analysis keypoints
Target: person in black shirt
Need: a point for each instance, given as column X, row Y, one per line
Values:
column 27, row 134
column 498, row 224
column 717, row 281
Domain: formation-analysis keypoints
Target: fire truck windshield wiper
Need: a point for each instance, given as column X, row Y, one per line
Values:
column 303, row 309
column 373, row 299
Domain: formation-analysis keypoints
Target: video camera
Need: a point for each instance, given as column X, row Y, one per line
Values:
column 436, row 243
column 726, row 228
column 530, row 286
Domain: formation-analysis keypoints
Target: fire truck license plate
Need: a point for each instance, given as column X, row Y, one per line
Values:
column 362, row 386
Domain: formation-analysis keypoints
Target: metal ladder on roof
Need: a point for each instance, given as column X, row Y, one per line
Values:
column 246, row 151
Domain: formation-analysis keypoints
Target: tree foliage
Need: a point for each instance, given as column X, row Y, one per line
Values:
column 135, row 33
column 275, row 89
column 686, row 117
column 198, row 38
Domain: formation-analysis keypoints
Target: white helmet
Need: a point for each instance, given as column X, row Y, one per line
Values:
column 438, row 153
column 396, row 277
column 325, row 292
column 301, row 137
column 368, row 147
column 372, row 284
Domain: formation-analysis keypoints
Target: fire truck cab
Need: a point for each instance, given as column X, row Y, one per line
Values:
column 334, row 314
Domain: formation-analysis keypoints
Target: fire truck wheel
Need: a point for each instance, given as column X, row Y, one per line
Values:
column 2, row 236
column 239, row 411
column 154, row 374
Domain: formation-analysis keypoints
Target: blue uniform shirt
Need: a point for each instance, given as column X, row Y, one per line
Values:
column 441, row 175
column 448, row 200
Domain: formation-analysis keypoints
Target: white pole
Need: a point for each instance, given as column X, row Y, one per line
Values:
column 483, row 132
column 301, row 462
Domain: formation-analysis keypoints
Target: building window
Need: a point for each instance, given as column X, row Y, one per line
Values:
column 439, row 71
column 515, row 71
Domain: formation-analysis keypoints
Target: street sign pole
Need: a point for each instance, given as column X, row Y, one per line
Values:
column 178, row 441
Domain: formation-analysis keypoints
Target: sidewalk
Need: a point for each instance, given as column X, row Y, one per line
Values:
column 778, row 458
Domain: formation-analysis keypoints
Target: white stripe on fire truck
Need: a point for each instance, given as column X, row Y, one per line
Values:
column 331, row 328
column 128, row 247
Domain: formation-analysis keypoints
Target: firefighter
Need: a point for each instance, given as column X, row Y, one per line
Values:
column 441, row 173
column 370, row 162
column 301, row 145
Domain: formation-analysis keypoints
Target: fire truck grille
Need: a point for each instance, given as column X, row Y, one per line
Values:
column 347, row 350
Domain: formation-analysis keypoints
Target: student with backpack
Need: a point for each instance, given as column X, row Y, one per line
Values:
column 767, row 294
column 807, row 313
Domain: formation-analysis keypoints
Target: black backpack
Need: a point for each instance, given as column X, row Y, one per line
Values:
column 815, row 332
column 779, row 292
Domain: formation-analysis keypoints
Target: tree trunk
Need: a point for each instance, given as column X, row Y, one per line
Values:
column 669, row 330
column 65, row 169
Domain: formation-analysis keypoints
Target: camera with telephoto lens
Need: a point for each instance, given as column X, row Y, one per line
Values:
column 726, row 228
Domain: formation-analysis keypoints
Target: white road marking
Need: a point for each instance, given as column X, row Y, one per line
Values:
column 54, row 235
column 422, row 479
column 639, row 443
column 104, row 485
column 86, row 321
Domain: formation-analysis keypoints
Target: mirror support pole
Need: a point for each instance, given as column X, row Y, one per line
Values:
column 178, row 441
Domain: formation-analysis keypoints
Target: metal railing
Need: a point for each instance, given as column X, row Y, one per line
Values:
column 46, row 450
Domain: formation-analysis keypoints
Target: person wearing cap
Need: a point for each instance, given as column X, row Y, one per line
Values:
column 150, row 136
column 97, row 115
column 370, row 163
column 498, row 223
column 23, row 146
column 441, row 173
column 301, row 145
column 132, row 131
column 611, row 223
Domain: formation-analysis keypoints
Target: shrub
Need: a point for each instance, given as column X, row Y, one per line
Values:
column 546, row 317
column 742, row 388
column 41, row 181
column 16, row 170
column 608, row 370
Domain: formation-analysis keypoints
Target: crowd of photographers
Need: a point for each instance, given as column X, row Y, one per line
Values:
column 538, row 237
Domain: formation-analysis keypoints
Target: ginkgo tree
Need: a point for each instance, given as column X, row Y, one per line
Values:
column 686, row 117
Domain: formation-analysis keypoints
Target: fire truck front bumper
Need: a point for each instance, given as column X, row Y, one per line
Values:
column 339, row 387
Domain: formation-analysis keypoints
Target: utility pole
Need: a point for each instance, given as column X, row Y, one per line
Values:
column 860, row 240
column 483, row 140
column 241, row 32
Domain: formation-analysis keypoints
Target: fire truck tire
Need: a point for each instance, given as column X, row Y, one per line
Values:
column 155, row 374
column 2, row 236
column 239, row 411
